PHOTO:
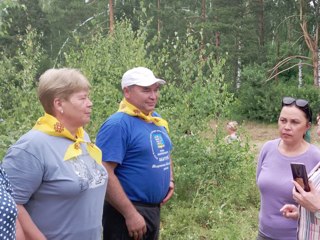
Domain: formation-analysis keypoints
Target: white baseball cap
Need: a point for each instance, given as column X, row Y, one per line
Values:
column 140, row 76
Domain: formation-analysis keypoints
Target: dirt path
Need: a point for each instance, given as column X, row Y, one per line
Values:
column 259, row 133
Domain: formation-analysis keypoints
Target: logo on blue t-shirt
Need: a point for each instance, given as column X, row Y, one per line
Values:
column 160, row 144
column 159, row 140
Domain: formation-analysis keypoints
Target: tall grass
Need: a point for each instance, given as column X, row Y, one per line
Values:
column 216, row 196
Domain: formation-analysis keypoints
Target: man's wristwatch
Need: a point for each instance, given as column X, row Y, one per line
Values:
column 317, row 214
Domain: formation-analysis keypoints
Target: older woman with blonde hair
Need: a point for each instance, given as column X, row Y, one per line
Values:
column 55, row 170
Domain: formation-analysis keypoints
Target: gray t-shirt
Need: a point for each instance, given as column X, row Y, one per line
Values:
column 64, row 198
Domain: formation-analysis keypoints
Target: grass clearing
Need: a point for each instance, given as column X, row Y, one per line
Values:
column 216, row 195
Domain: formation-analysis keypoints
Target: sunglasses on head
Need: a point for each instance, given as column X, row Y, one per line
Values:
column 300, row 103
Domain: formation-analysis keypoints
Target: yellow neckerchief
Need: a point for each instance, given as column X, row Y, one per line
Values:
column 51, row 126
column 131, row 110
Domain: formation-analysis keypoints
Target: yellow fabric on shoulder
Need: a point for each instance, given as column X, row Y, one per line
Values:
column 50, row 125
column 131, row 110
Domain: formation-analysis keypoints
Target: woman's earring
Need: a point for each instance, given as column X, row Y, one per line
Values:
column 61, row 111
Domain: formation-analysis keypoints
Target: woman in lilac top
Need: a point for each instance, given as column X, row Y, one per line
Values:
column 274, row 177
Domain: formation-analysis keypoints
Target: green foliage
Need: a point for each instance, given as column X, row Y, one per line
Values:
column 253, row 101
column 214, row 186
column 214, row 180
column 208, row 172
column 19, row 107
column 196, row 87
column 261, row 100
column 16, row 21
column 68, row 17
column 105, row 65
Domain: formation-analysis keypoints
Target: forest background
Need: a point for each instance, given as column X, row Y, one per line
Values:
column 222, row 60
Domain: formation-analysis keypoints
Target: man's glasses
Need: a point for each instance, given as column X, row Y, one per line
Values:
column 302, row 104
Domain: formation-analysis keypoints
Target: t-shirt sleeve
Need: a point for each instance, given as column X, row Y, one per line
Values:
column 25, row 173
column 111, row 139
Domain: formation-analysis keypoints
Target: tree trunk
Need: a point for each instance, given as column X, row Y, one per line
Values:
column 261, row 22
column 159, row 25
column 318, row 76
column 315, row 64
column 111, row 16
column 203, row 19
column 203, row 10
column 300, row 74
column 312, row 43
column 238, row 78
column 217, row 39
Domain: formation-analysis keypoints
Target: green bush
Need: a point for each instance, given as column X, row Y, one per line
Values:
column 259, row 100
column 215, row 183
column 105, row 65
column 19, row 106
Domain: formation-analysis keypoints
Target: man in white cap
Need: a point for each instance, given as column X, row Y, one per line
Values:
column 136, row 153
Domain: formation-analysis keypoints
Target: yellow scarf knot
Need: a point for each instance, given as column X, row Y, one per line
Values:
column 51, row 126
column 131, row 110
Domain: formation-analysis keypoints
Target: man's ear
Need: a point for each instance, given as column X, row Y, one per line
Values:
column 126, row 92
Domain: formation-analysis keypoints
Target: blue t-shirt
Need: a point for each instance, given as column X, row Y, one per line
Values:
column 142, row 151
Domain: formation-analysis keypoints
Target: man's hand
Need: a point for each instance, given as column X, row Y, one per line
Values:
column 116, row 196
column 136, row 225
column 169, row 194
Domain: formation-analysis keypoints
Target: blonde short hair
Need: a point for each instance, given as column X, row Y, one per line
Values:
column 60, row 83
column 233, row 125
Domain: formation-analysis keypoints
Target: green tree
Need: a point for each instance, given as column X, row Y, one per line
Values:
column 16, row 20
column 69, row 17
